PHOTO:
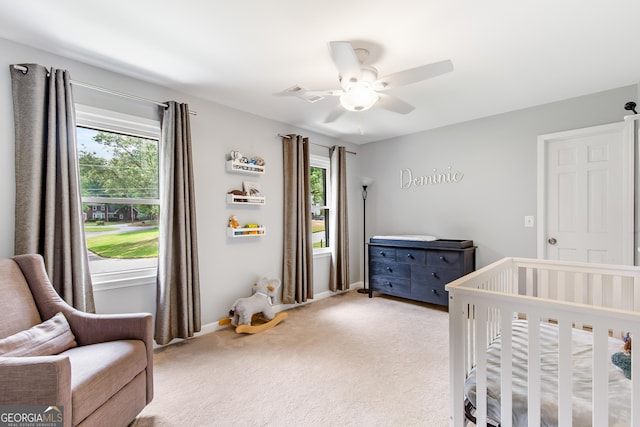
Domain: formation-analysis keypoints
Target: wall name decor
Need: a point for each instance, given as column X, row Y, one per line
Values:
column 408, row 180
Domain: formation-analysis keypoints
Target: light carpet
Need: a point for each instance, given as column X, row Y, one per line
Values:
column 347, row 360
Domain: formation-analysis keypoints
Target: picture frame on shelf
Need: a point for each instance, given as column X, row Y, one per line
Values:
column 251, row 188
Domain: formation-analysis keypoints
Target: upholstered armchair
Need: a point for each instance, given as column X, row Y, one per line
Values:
column 99, row 368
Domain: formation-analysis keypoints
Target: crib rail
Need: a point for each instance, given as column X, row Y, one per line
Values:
column 604, row 299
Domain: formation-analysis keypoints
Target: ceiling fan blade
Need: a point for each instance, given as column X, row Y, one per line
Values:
column 414, row 75
column 346, row 60
column 336, row 92
column 310, row 96
column 394, row 104
column 335, row 114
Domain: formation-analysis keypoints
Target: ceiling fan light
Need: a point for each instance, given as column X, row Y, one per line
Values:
column 359, row 98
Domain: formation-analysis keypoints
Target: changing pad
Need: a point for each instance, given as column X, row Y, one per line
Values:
column 418, row 237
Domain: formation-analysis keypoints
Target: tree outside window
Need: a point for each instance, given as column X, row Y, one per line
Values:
column 319, row 203
column 120, row 195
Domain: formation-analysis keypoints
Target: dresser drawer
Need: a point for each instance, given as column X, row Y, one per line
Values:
column 429, row 292
column 391, row 286
column 411, row 256
column 444, row 259
column 392, row 269
column 433, row 276
column 381, row 253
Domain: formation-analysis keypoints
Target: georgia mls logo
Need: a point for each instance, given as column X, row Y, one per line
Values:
column 31, row 416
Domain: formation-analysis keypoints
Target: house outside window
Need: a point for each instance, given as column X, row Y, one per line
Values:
column 320, row 173
column 118, row 163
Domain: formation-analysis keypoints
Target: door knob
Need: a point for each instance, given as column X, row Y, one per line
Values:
column 552, row 240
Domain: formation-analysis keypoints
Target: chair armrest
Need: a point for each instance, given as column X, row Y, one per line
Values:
column 43, row 380
column 96, row 328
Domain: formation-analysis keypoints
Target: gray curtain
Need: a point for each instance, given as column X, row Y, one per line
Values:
column 48, row 211
column 340, row 233
column 178, row 282
column 297, row 276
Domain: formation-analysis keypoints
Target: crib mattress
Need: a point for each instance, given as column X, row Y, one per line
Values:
column 619, row 385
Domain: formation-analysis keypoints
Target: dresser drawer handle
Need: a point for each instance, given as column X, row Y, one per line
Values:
column 389, row 269
column 383, row 254
column 434, row 291
column 389, row 284
column 442, row 258
column 434, row 274
column 410, row 256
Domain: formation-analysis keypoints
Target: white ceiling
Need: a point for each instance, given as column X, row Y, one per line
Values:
column 507, row 54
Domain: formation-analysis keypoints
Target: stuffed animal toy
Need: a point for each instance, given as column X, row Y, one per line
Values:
column 233, row 221
column 260, row 302
column 622, row 359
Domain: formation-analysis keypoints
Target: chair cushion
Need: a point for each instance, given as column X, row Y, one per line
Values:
column 19, row 311
column 46, row 339
column 99, row 371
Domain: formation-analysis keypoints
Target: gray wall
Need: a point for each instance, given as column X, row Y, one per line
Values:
column 228, row 267
column 497, row 156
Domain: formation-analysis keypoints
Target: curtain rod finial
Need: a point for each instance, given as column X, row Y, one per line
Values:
column 21, row 68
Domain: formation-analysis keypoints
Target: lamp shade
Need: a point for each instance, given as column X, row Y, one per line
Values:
column 359, row 98
column 366, row 181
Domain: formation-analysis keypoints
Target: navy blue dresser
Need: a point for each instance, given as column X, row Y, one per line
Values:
column 417, row 269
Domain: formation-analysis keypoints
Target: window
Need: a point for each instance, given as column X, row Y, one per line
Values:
column 118, row 163
column 320, row 173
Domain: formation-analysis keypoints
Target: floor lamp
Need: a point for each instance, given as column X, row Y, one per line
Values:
column 366, row 182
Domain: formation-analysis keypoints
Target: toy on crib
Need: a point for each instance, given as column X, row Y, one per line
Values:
column 245, row 311
column 627, row 343
column 622, row 359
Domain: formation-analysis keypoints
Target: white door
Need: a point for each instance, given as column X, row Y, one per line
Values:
column 585, row 195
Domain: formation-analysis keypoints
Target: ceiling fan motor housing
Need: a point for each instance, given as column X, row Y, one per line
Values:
column 368, row 76
column 359, row 92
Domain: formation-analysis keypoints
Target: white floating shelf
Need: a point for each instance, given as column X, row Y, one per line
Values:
column 246, row 232
column 246, row 168
column 236, row 199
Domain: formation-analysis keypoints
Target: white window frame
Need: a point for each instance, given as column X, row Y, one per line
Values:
column 324, row 163
column 112, row 121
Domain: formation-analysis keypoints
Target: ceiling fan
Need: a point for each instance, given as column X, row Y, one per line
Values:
column 361, row 87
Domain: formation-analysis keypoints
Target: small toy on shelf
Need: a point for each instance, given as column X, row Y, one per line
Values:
column 251, row 227
column 246, row 313
column 233, row 222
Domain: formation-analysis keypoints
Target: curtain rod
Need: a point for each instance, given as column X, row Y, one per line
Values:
column 319, row 145
column 109, row 91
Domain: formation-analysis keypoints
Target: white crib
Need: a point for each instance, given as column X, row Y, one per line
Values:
column 485, row 305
